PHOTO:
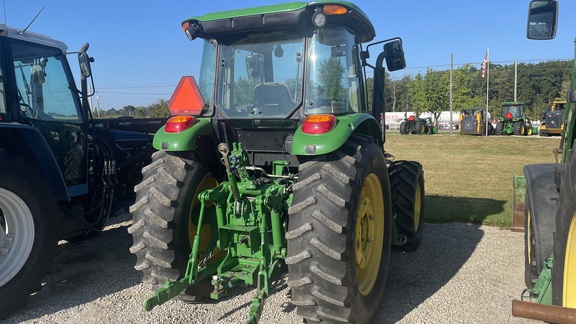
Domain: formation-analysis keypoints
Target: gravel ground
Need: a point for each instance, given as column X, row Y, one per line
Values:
column 461, row 274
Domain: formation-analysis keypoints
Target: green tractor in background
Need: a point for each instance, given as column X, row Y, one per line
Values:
column 550, row 209
column 513, row 120
column 275, row 158
column 413, row 125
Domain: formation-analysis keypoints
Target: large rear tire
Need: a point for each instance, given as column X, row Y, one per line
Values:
column 339, row 234
column 564, row 267
column 29, row 218
column 164, row 216
column 419, row 127
column 403, row 130
column 519, row 128
column 407, row 186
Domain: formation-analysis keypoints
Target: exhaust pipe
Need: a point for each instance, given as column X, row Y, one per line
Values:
column 541, row 312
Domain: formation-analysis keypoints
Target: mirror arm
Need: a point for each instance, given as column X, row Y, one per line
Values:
column 84, row 82
column 378, row 102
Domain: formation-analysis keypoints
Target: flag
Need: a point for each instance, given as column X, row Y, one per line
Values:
column 484, row 64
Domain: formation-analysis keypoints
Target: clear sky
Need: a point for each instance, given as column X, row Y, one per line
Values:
column 141, row 52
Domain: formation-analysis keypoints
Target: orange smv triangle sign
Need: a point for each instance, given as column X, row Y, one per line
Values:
column 186, row 99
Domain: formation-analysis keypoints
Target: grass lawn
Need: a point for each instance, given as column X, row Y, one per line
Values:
column 469, row 178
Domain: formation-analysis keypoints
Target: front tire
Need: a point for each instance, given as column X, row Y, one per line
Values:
column 163, row 219
column 407, row 186
column 339, row 234
column 29, row 218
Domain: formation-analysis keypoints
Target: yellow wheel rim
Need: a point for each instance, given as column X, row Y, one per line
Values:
column 369, row 234
column 417, row 207
column 206, row 230
column 529, row 131
column 569, row 287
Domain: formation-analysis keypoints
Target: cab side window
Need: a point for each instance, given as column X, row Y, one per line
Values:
column 43, row 88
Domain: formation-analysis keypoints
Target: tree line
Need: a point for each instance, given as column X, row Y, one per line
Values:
column 159, row 109
column 537, row 85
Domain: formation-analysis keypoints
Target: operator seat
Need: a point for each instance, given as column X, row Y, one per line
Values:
column 273, row 98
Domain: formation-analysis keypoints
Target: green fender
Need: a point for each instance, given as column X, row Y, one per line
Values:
column 184, row 140
column 346, row 125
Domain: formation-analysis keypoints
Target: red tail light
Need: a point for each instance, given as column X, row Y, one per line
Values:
column 178, row 124
column 318, row 124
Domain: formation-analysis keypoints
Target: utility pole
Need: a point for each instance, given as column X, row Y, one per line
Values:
column 487, row 86
column 451, row 87
column 91, row 105
column 515, row 81
column 98, row 104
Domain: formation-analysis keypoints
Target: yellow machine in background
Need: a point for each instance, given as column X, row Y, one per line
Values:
column 553, row 119
column 473, row 122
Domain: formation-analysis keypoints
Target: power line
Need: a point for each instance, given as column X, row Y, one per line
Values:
column 137, row 86
column 136, row 93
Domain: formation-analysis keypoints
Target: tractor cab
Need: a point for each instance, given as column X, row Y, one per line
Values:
column 286, row 70
column 309, row 62
column 39, row 97
column 512, row 111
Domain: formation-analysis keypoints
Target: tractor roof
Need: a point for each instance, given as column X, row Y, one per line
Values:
column 10, row 32
column 288, row 16
column 512, row 103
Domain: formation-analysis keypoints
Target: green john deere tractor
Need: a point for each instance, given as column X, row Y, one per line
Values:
column 274, row 157
column 413, row 125
column 550, row 209
column 513, row 120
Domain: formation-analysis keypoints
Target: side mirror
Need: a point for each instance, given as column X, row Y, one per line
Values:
column 394, row 55
column 255, row 66
column 338, row 51
column 542, row 19
column 84, row 63
column 571, row 97
column 38, row 75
